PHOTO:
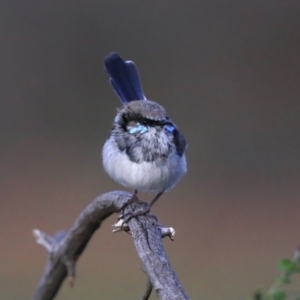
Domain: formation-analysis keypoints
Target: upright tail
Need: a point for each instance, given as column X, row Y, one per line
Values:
column 124, row 78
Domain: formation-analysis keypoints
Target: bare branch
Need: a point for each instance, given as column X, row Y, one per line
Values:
column 147, row 233
column 66, row 246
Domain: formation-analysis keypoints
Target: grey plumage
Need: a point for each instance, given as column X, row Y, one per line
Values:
column 145, row 150
column 145, row 147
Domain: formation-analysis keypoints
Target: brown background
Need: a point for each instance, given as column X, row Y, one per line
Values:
column 228, row 73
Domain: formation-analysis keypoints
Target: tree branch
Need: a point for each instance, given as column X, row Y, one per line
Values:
column 66, row 246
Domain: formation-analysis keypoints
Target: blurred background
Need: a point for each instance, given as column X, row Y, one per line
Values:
column 228, row 74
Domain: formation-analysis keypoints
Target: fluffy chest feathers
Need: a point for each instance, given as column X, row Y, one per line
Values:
column 151, row 176
column 152, row 146
column 145, row 150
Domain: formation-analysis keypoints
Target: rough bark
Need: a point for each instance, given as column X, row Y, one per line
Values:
column 66, row 246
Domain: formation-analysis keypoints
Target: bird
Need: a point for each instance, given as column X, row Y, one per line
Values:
column 145, row 150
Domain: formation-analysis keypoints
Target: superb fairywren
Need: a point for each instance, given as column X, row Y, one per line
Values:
column 145, row 150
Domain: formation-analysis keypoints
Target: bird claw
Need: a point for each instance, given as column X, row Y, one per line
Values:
column 131, row 200
column 141, row 212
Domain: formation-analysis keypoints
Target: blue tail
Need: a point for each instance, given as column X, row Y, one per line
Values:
column 124, row 78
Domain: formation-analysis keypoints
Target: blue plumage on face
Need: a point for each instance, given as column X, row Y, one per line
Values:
column 143, row 130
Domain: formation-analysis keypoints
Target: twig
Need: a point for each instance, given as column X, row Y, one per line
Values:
column 148, row 291
column 65, row 248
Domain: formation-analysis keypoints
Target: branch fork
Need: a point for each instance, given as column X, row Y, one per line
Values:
column 65, row 247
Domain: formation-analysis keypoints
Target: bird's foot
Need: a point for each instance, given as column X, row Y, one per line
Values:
column 142, row 212
column 122, row 224
column 134, row 214
column 133, row 199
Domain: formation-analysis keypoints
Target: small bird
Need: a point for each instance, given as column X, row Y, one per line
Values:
column 145, row 150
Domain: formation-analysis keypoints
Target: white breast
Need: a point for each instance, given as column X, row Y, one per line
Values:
column 156, row 176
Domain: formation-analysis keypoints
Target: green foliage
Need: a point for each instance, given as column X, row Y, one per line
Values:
column 288, row 268
column 286, row 265
column 277, row 295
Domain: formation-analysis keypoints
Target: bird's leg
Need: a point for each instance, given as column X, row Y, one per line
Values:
column 155, row 199
column 131, row 199
column 135, row 198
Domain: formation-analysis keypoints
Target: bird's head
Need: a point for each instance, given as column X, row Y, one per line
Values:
column 139, row 117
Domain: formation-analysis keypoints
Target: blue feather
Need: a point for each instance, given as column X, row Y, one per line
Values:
column 124, row 78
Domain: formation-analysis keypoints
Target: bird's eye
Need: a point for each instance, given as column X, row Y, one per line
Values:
column 144, row 122
column 132, row 124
